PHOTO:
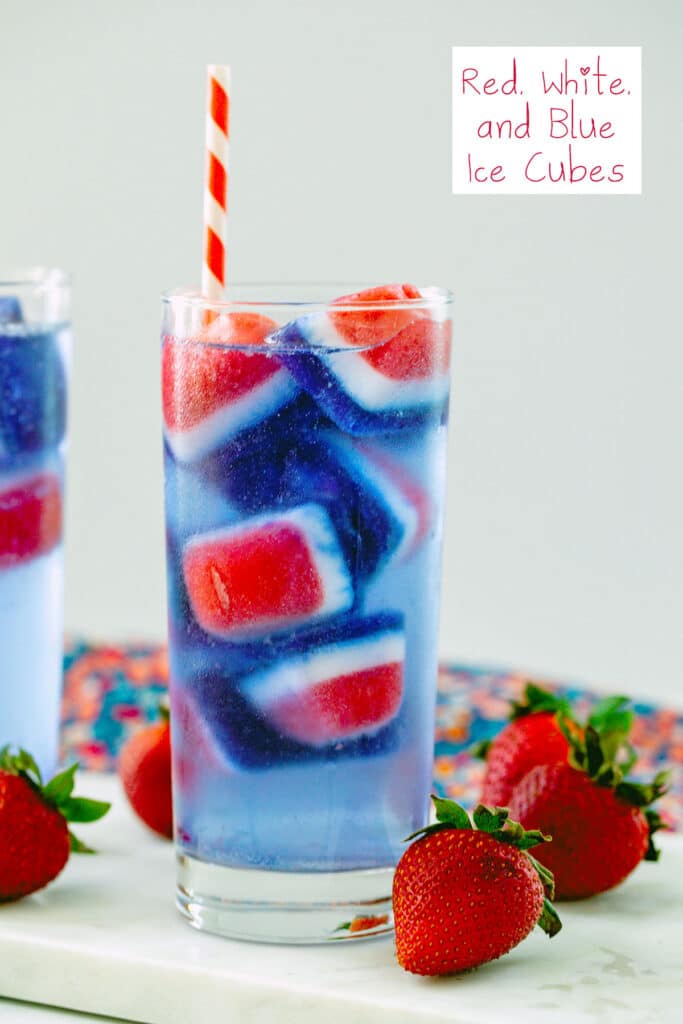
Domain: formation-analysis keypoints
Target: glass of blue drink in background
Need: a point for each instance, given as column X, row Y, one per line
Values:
column 304, row 450
column 35, row 344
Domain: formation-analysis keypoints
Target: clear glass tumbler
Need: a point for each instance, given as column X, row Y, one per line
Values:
column 304, row 449
column 35, row 344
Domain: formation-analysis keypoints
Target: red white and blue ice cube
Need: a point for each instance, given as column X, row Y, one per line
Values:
column 373, row 370
column 267, row 573
column 410, row 504
column 339, row 691
column 32, row 394
column 248, row 468
column 352, row 713
column 378, row 509
column 30, row 518
column 322, row 468
column 220, row 384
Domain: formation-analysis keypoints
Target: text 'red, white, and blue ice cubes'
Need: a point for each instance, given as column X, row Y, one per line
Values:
column 33, row 396
column 304, row 470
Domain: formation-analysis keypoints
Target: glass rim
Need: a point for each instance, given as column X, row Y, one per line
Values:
column 192, row 298
column 34, row 277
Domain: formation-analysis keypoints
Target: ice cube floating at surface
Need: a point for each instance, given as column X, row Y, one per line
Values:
column 371, row 371
column 211, row 392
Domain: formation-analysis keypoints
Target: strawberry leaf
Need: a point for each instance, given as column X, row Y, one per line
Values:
column 595, row 757
column 612, row 715
column 480, row 750
column 613, row 747
column 531, row 838
column 495, row 821
column 451, row 814
column 448, row 815
column 77, row 846
column 537, row 700
column 25, row 763
column 549, row 921
column 82, row 809
column 490, row 819
column 546, row 876
column 20, row 763
column 642, row 794
column 628, row 757
column 655, row 824
column 61, row 786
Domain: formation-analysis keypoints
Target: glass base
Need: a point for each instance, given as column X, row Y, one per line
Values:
column 284, row 906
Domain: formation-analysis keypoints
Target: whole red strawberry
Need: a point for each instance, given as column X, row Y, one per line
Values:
column 145, row 771
column 463, row 896
column 602, row 825
column 533, row 736
column 36, row 840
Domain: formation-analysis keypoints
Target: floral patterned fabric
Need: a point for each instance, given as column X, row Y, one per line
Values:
column 110, row 691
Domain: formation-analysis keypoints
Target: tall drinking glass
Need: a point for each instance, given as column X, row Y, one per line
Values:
column 34, row 355
column 304, row 449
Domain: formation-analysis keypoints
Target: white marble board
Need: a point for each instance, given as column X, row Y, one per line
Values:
column 106, row 939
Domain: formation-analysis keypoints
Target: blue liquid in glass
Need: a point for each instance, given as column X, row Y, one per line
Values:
column 33, row 383
column 248, row 793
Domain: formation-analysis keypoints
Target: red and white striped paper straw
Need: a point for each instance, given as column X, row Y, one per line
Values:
column 216, row 180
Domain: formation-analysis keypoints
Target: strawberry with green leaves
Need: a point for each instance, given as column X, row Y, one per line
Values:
column 601, row 822
column 34, row 824
column 534, row 736
column 467, row 893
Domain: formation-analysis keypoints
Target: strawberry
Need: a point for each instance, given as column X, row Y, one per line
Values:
column 145, row 771
column 463, row 896
column 36, row 840
column 533, row 736
column 602, row 824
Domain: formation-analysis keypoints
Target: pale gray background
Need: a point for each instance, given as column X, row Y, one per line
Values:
column 564, row 551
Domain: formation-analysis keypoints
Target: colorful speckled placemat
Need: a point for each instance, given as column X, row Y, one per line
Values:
column 111, row 691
